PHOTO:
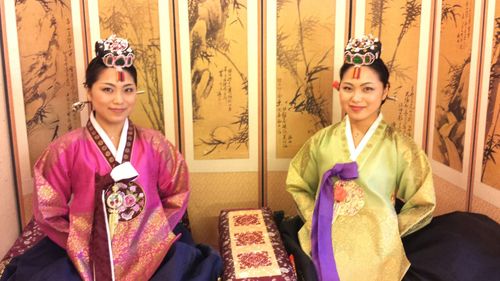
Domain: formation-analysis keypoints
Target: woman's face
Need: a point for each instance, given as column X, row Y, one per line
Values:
column 112, row 100
column 361, row 98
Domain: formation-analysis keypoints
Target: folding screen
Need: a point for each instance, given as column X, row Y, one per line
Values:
column 240, row 103
column 486, row 186
column 147, row 26
column 8, row 201
column 455, row 64
column 301, row 44
column 218, row 70
column 403, row 27
column 44, row 60
column 406, row 29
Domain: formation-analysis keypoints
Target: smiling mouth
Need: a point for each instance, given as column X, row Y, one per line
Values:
column 356, row 108
column 117, row 109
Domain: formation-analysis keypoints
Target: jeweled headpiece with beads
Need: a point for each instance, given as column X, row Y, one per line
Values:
column 362, row 51
column 115, row 52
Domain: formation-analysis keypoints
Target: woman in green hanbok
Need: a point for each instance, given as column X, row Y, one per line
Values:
column 347, row 178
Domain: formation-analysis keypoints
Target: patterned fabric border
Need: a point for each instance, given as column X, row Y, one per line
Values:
column 31, row 235
column 3, row 265
column 251, row 247
column 105, row 150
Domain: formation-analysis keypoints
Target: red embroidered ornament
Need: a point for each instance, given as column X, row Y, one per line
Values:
column 348, row 197
column 336, row 85
column 339, row 193
column 125, row 199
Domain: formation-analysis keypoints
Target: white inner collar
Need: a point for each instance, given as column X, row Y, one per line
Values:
column 355, row 151
column 117, row 154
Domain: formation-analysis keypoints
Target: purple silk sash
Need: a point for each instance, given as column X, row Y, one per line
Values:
column 321, row 233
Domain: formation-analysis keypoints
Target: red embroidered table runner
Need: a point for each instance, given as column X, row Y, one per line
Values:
column 251, row 247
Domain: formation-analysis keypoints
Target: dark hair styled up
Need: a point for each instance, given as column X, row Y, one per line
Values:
column 378, row 66
column 96, row 66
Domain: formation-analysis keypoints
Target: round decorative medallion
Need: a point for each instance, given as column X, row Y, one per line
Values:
column 349, row 197
column 127, row 200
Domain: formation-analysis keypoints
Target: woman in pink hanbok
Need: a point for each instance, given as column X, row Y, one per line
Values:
column 109, row 196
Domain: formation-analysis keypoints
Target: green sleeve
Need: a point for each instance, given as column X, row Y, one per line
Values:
column 302, row 181
column 415, row 188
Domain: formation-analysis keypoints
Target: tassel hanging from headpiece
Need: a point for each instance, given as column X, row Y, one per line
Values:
column 121, row 75
column 356, row 73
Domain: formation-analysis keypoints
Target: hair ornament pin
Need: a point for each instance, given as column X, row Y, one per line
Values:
column 336, row 85
column 78, row 106
column 115, row 52
column 362, row 51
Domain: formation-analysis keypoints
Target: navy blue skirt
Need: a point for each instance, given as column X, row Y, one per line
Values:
column 454, row 247
column 185, row 261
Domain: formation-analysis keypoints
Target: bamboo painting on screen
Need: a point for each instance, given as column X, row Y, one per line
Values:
column 491, row 151
column 304, row 58
column 400, row 52
column 138, row 22
column 48, row 74
column 453, row 82
column 219, row 78
column 48, row 71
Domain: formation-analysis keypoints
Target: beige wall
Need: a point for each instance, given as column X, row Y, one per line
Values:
column 8, row 210
column 450, row 197
column 277, row 196
column 213, row 192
